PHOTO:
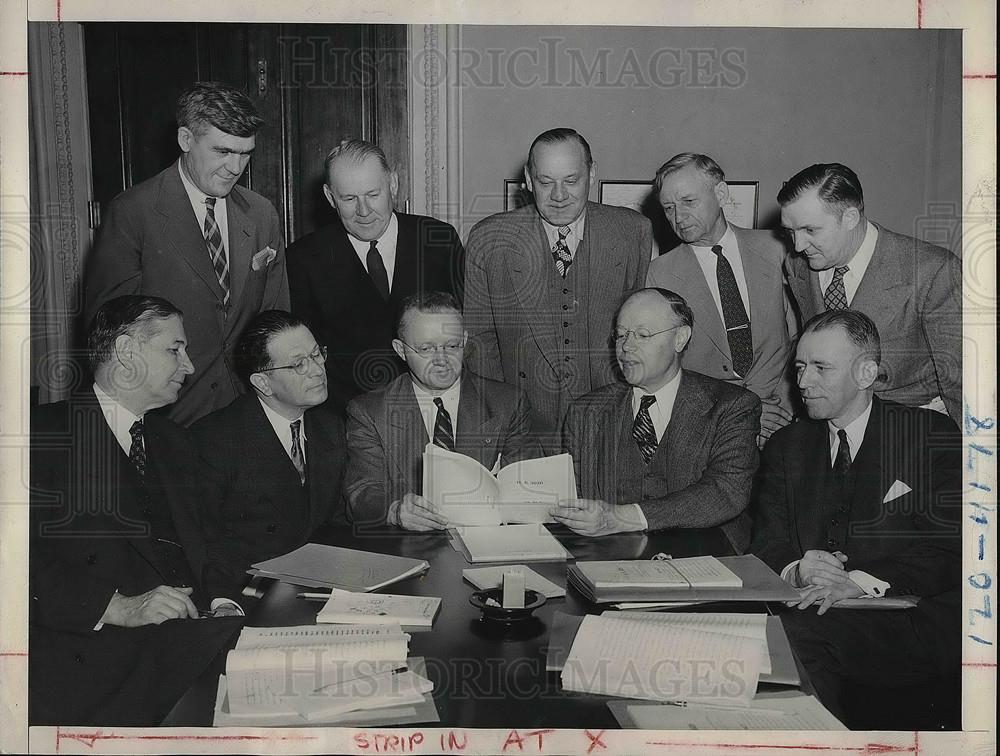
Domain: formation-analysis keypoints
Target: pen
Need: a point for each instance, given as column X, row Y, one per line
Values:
column 313, row 596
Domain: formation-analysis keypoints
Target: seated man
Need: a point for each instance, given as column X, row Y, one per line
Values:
column 274, row 458
column 863, row 499
column 670, row 448
column 387, row 429
column 116, row 551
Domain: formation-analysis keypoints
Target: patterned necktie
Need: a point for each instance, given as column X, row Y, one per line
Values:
column 444, row 436
column 137, row 451
column 376, row 269
column 734, row 314
column 643, row 431
column 297, row 458
column 835, row 297
column 216, row 249
column 561, row 253
column 842, row 462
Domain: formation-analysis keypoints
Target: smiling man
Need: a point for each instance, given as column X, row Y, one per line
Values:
column 191, row 235
column 436, row 400
column 348, row 279
column 671, row 448
column 911, row 289
column 275, row 457
column 543, row 281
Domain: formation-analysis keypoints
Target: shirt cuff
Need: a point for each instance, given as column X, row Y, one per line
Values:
column 871, row 585
column 217, row 602
column 640, row 518
column 791, row 573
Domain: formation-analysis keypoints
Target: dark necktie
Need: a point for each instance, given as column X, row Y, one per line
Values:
column 376, row 269
column 561, row 253
column 216, row 249
column 297, row 457
column 842, row 462
column 643, row 431
column 444, row 436
column 734, row 314
column 835, row 297
column 137, row 450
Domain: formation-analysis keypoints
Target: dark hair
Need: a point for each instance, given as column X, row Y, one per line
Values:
column 425, row 301
column 251, row 355
column 356, row 150
column 703, row 163
column 837, row 185
column 131, row 314
column 211, row 103
column 860, row 329
column 555, row 136
column 678, row 305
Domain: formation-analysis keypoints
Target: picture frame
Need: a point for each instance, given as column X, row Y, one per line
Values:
column 515, row 194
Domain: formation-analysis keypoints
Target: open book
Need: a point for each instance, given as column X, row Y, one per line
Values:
column 347, row 607
column 468, row 494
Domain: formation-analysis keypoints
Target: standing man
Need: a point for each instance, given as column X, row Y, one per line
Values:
column 117, row 553
column 274, row 458
column 195, row 238
column 348, row 279
column 911, row 289
column 863, row 498
column 543, row 282
column 670, row 448
column 387, row 429
column 733, row 280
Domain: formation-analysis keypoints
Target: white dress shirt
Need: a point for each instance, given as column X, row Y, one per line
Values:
column 119, row 419
column 386, row 248
column 709, row 262
column 857, row 265
column 572, row 239
column 197, row 197
column 283, row 428
column 428, row 410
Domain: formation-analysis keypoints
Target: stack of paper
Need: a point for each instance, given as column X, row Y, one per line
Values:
column 346, row 607
column 659, row 661
column 310, row 674
column 509, row 543
column 319, row 566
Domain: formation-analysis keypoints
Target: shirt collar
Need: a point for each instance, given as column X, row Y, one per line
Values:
column 118, row 418
column 855, row 432
column 575, row 229
column 665, row 395
column 426, row 397
column 859, row 263
column 727, row 242
column 282, row 425
column 196, row 195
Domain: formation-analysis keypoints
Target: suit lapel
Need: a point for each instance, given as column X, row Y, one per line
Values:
column 709, row 321
column 604, row 259
column 320, row 451
column 804, row 284
column 477, row 429
column 884, row 274
column 406, row 276
column 686, row 428
column 757, row 271
column 811, row 463
column 241, row 236
column 867, row 466
column 407, row 435
column 527, row 252
column 264, row 452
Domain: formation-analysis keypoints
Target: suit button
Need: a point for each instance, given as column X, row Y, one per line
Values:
column 92, row 559
column 831, row 542
column 522, row 374
column 565, row 291
column 565, row 307
column 272, row 528
column 646, row 496
column 215, row 384
column 78, row 658
column 567, row 358
column 565, row 341
column 835, row 522
column 565, row 324
column 725, row 368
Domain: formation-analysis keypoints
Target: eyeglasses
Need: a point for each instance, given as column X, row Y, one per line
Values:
column 641, row 335
column 301, row 365
column 427, row 350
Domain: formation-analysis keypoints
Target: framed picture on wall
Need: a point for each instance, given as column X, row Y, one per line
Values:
column 741, row 210
column 515, row 194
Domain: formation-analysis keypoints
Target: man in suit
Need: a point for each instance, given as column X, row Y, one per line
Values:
column 734, row 282
column 116, row 552
column 348, row 279
column 543, row 281
column 193, row 237
column 436, row 400
column 274, row 458
column 912, row 290
column 863, row 499
column 669, row 449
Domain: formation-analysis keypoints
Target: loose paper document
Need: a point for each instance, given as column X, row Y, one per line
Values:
column 320, row 566
column 769, row 711
column 506, row 543
column 630, row 659
column 485, row 578
column 467, row 493
column 379, row 609
column 691, row 572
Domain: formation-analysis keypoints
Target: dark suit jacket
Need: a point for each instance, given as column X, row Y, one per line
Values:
column 87, row 541
column 771, row 318
column 913, row 292
column 255, row 507
column 150, row 243
column 711, row 458
column 386, row 439
column 333, row 293
column 512, row 326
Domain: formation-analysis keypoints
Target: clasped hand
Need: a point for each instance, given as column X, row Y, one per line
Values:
column 825, row 580
column 594, row 517
column 414, row 512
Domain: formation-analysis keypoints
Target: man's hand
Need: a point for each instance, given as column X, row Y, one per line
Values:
column 163, row 603
column 828, row 595
column 414, row 512
column 227, row 609
column 594, row 517
column 773, row 417
column 822, row 568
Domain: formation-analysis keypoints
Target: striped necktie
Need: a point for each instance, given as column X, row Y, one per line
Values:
column 643, row 431
column 561, row 253
column 444, row 436
column 297, row 457
column 835, row 297
column 216, row 249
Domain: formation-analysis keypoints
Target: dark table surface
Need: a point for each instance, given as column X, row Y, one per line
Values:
column 484, row 674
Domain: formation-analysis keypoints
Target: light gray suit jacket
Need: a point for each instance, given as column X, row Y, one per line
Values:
column 772, row 320
column 913, row 292
column 512, row 325
column 711, row 454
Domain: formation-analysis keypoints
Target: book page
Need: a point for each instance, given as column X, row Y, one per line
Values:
column 532, row 487
column 309, row 635
column 378, row 691
column 706, row 572
column 506, row 543
column 621, row 657
column 460, row 488
column 766, row 712
column 628, row 573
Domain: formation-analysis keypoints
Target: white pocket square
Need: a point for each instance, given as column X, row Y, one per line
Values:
column 263, row 258
column 896, row 490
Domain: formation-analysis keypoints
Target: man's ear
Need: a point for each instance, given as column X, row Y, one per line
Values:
column 393, row 185
column 722, row 192
column 261, row 382
column 681, row 338
column 866, row 373
column 125, row 346
column 850, row 218
column 527, row 179
column 329, row 196
column 184, row 138
column 593, row 173
column 399, row 348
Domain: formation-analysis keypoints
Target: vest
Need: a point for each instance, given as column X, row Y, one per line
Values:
column 637, row 481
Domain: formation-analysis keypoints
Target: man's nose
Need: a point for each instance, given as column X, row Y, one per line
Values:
column 559, row 191
column 799, row 240
column 364, row 207
column 187, row 367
